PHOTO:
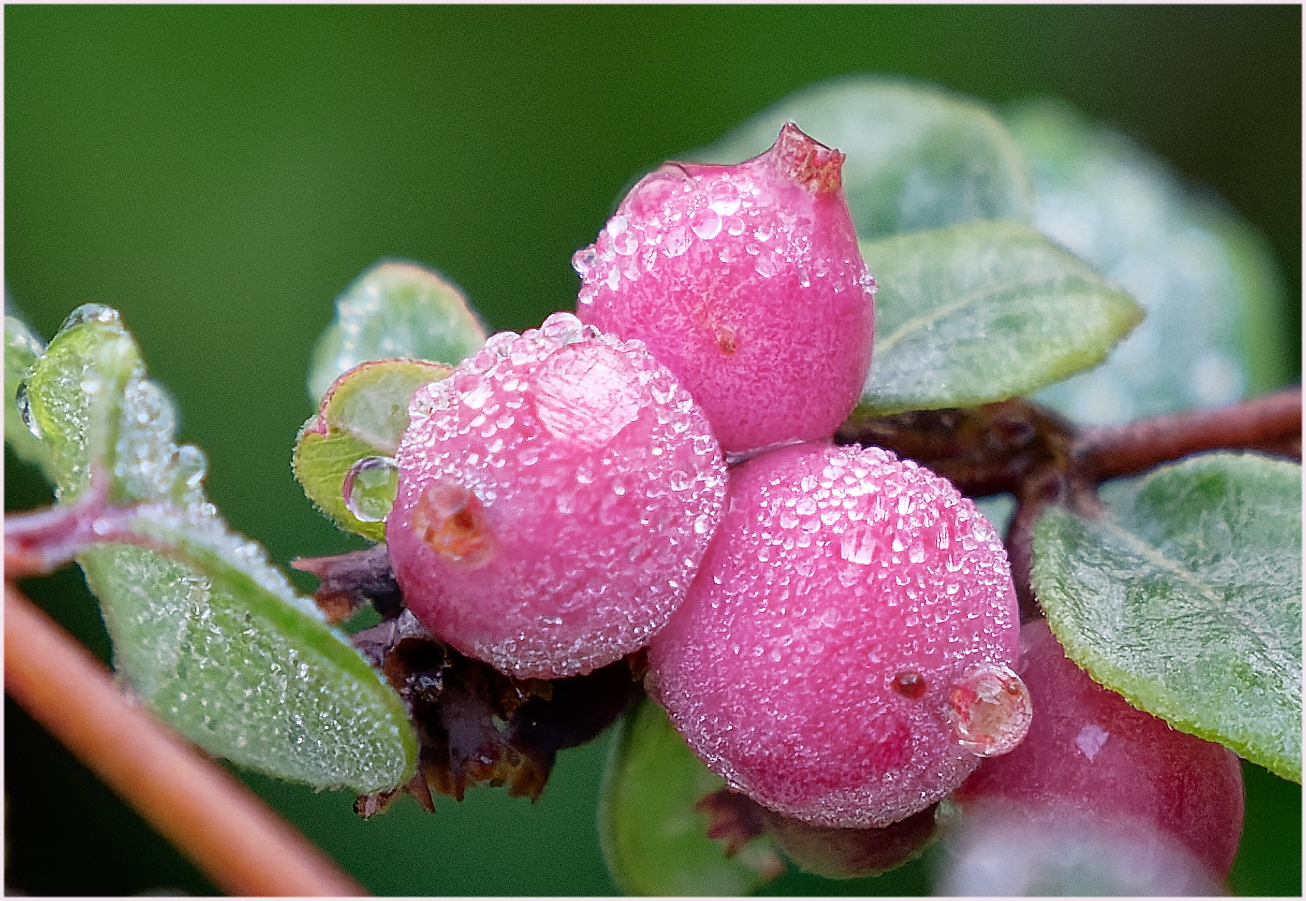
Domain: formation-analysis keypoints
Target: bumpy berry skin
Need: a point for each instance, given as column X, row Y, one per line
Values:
column 556, row 494
column 1090, row 752
column 747, row 282
column 847, row 649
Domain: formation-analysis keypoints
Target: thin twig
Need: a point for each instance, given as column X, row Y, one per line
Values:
column 211, row 817
column 1271, row 423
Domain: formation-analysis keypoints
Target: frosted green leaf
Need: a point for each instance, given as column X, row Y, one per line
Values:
column 917, row 156
column 363, row 415
column 981, row 312
column 205, row 630
column 22, row 349
column 393, row 310
column 654, row 840
column 1185, row 598
column 1213, row 293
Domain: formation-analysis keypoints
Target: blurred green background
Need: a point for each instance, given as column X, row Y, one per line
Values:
column 219, row 174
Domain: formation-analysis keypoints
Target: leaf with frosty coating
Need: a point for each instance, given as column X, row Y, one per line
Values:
column 981, row 312
column 654, row 839
column 1214, row 296
column 1185, row 598
column 364, row 414
column 22, row 349
column 205, row 630
column 394, row 310
column 917, row 156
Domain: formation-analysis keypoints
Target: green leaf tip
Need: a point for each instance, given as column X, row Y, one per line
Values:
column 205, row 629
column 395, row 309
column 1185, row 598
column 980, row 312
column 361, row 419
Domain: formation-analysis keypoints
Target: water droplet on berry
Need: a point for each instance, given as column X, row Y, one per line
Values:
column 369, row 488
column 990, row 710
column 583, row 260
column 586, row 394
column 706, row 224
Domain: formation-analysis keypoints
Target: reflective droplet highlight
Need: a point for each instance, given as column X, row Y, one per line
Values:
column 24, row 403
column 369, row 488
column 990, row 710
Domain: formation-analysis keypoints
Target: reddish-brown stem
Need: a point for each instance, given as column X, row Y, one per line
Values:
column 1271, row 423
column 211, row 817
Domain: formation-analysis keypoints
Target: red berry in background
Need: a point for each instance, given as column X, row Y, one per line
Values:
column 745, row 281
column 1089, row 753
column 846, row 651
column 556, row 494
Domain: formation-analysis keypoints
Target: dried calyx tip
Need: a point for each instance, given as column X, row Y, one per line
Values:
column 807, row 161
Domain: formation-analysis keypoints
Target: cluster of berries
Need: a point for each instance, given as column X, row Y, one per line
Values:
column 832, row 629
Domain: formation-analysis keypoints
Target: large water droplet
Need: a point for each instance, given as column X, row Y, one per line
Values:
column 89, row 312
column 369, row 488
column 990, row 710
column 24, row 403
column 587, row 393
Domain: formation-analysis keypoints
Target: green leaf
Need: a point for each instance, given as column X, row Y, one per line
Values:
column 362, row 416
column 205, row 630
column 394, row 310
column 22, row 349
column 1213, row 293
column 981, row 312
column 1185, row 598
column 918, row 157
column 654, row 840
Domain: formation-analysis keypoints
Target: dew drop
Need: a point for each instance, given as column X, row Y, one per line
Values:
column 765, row 265
column 706, row 223
column 583, row 260
column 587, row 394
column 89, row 312
column 990, row 710
column 677, row 242
column 369, row 488
column 24, row 403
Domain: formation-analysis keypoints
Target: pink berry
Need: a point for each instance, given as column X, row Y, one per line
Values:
column 556, row 494
column 746, row 281
column 1089, row 752
column 846, row 653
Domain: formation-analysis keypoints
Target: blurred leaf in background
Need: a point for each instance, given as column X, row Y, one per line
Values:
column 221, row 174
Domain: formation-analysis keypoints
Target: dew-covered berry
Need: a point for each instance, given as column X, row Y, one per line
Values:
column 747, row 282
column 556, row 494
column 846, row 654
column 1093, row 764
